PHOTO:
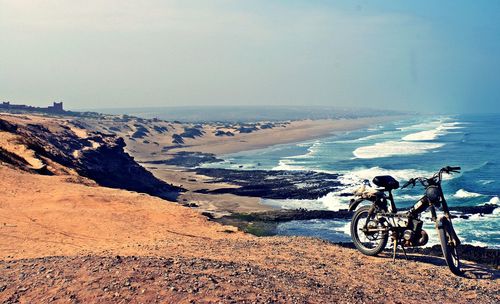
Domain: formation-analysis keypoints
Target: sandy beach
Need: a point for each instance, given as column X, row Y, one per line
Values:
column 149, row 140
column 296, row 131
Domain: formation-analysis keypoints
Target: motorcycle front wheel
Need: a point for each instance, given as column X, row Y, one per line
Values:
column 450, row 251
column 366, row 234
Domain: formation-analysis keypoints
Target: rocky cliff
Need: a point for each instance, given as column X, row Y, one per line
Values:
column 55, row 147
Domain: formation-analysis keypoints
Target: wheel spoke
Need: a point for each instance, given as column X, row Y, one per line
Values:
column 368, row 239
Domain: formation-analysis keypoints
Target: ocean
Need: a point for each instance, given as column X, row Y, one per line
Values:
column 411, row 147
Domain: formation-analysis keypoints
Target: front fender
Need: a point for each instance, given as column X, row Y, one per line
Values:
column 354, row 203
column 445, row 223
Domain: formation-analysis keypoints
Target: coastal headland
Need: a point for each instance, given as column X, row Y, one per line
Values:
column 110, row 209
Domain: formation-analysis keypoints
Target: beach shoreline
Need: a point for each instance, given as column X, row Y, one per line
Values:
column 294, row 132
column 224, row 204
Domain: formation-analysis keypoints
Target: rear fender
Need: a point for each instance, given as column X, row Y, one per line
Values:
column 354, row 203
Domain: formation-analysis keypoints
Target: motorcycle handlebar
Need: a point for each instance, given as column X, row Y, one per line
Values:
column 410, row 182
column 447, row 169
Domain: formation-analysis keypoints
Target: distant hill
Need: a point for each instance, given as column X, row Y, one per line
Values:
column 246, row 113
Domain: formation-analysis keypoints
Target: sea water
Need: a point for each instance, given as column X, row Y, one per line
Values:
column 413, row 147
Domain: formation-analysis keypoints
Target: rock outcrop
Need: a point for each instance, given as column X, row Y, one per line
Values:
column 274, row 184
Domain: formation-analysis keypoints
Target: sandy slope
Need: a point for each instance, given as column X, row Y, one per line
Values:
column 47, row 215
column 171, row 253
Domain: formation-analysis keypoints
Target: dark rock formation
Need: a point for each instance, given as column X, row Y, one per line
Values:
column 291, row 215
column 140, row 131
column 273, row 184
column 187, row 159
column 267, row 126
column 177, row 139
column 191, row 133
column 160, row 129
column 483, row 209
column 247, row 129
column 110, row 166
column 222, row 133
column 296, row 185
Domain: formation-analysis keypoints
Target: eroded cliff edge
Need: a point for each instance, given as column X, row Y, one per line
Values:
column 55, row 147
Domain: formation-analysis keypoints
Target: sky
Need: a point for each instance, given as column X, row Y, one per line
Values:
column 426, row 56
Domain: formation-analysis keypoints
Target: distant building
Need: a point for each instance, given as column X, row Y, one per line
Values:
column 56, row 107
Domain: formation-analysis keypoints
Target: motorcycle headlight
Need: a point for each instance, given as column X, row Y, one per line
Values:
column 433, row 195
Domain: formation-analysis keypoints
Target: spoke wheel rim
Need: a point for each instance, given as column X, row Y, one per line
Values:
column 368, row 241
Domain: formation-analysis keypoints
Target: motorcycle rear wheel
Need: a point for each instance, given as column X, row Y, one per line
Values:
column 449, row 249
column 368, row 243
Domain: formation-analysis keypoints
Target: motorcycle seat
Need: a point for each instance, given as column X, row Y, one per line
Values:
column 386, row 181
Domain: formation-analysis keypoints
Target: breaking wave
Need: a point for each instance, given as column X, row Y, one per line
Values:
column 360, row 174
column 392, row 148
column 332, row 201
column 429, row 135
column 289, row 165
column 495, row 201
column 465, row 194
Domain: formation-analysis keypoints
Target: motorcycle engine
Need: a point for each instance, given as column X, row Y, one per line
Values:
column 415, row 235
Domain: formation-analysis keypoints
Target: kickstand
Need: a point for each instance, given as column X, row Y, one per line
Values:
column 404, row 251
column 395, row 247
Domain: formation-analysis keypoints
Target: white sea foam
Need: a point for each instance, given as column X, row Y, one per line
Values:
column 358, row 174
column 288, row 164
column 465, row 194
column 422, row 135
column 428, row 135
column 311, row 151
column 419, row 126
column 375, row 128
column 346, row 229
column 366, row 138
column 391, row 148
column 495, row 200
column 485, row 181
column 453, row 125
column 293, row 203
column 407, row 197
column 332, row 201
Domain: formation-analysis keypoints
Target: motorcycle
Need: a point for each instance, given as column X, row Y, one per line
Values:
column 372, row 225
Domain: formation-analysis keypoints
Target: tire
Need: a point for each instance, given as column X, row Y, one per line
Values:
column 450, row 251
column 372, row 244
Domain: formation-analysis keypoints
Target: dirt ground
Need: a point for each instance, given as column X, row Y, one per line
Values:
column 63, row 241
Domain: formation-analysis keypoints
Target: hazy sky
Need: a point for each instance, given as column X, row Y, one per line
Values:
column 416, row 55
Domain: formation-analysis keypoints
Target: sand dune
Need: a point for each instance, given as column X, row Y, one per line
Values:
column 52, row 215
